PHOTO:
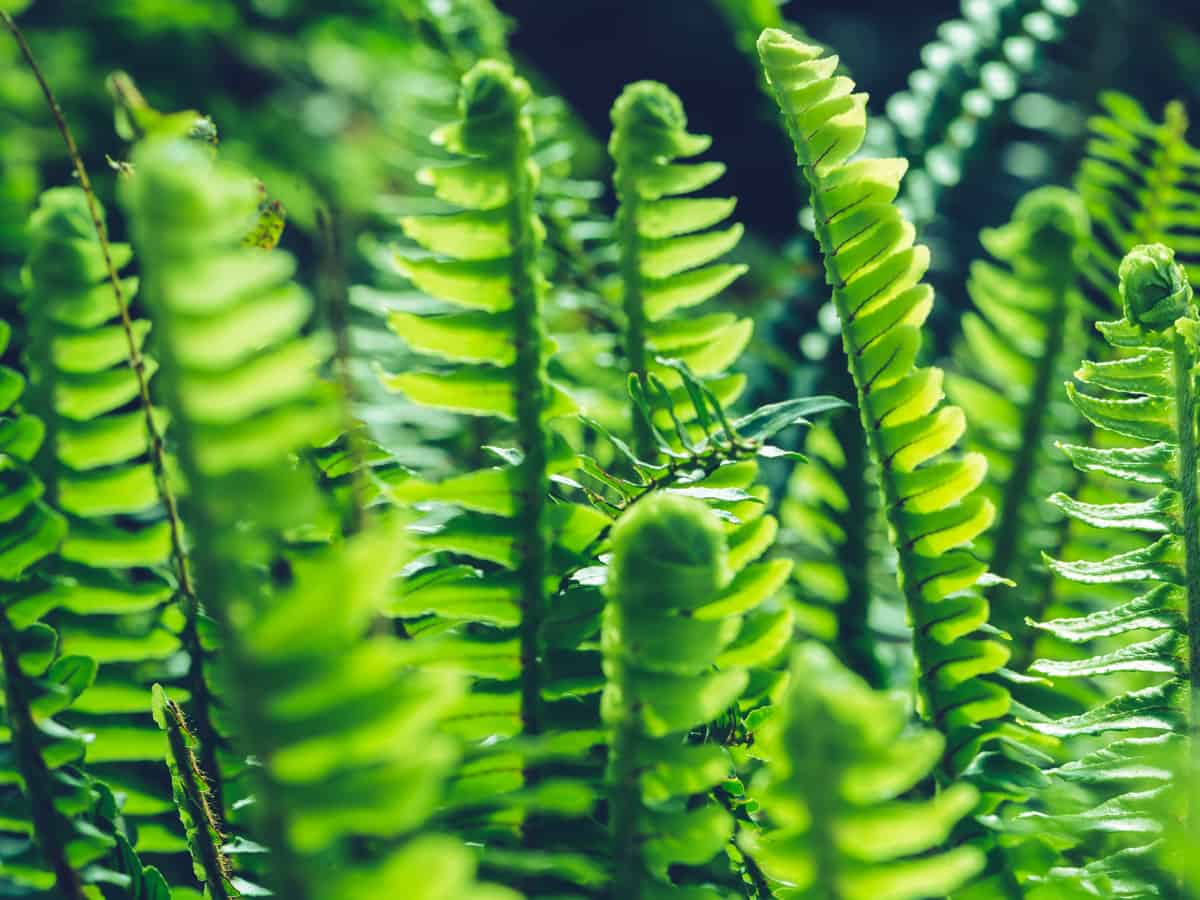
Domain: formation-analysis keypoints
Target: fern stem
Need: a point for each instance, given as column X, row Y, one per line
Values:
column 1008, row 533
column 530, row 385
column 1188, row 460
column 632, row 299
column 30, row 762
column 195, row 796
column 206, row 731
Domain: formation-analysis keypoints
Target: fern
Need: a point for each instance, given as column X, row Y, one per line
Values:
column 664, row 249
column 1139, row 182
column 60, row 827
column 1148, row 394
column 508, row 521
column 838, row 755
column 675, row 650
column 326, row 774
column 118, row 604
column 844, row 578
column 930, row 504
column 1013, row 351
column 495, row 274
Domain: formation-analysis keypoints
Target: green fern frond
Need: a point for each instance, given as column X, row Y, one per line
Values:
column 343, row 732
column 118, row 582
column 1139, row 182
column 676, row 650
column 58, row 823
column 668, row 243
column 930, row 503
column 490, row 267
column 495, row 599
column 1146, row 393
column 1014, row 350
column 838, row 755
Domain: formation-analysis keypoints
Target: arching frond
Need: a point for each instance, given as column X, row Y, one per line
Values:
column 930, row 499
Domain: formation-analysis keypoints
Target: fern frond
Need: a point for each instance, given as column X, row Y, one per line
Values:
column 838, row 755
column 123, row 598
column 676, row 650
column 668, row 243
column 1139, row 181
column 59, row 833
column 500, row 599
column 1146, row 393
column 491, row 268
column 930, row 502
column 1014, row 349
column 343, row 732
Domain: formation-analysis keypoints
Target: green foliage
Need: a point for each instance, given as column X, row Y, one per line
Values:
column 192, row 797
column 665, row 250
column 474, row 574
column 676, row 647
column 333, row 767
column 1147, row 393
column 875, row 271
column 60, row 835
column 1139, row 183
column 112, row 588
column 838, row 756
column 1014, row 352
column 493, row 610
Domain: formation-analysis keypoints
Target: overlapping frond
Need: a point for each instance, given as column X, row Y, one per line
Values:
column 838, row 757
column 342, row 731
column 1016, row 348
column 1146, row 393
column 930, row 498
column 60, row 837
column 113, row 589
column 676, row 650
column 668, row 244
column 1141, row 184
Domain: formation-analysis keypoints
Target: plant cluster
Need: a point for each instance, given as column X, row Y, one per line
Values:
column 495, row 575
